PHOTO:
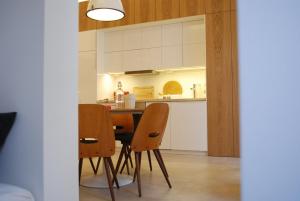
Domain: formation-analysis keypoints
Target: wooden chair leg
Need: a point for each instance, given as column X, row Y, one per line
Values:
column 162, row 167
column 137, row 167
column 140, row 161
column 98, row 164
column 115, row 179
column 106, row 165
column 93, row 166
column 162, row 161
column 120, row 158
column 127, row 152
column 149, row 159
column 129, row 156
column 80, row 168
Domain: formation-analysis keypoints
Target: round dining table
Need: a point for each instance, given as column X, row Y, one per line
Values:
column 100, row 180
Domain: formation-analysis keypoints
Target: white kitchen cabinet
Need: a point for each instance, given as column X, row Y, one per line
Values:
column 168, row 45
column 193, row 32
column 172, row 34
column 132, row 39
column 172, row 56
column 132, row 60
column 166, row 141
column 113, row 41
column 112, row 62
column 87, row 41
column 194, row 55
column 87, row 77
column 151, row 37
column 151, row 58
column 189, row 126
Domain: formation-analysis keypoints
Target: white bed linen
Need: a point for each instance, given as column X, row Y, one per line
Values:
column 14, row 193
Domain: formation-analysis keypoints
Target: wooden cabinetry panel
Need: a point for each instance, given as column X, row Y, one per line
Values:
column 85, row 23
column 144, row 11
column 128, row 6
column 214, row 6
column 192, row 7
column 235, row 70
column 233, row 4
column 167, row 9
column 219, row 84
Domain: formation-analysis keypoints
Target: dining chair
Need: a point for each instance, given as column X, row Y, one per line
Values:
column 96, row 139
column 148, row 136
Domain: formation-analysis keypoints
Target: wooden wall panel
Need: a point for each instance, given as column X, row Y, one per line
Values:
column 144, row 11
column 233, row 5
column 85, row 23
column 214, row 6
column 167, row 9
column 235, row 70
column 192, row 7
column 128, row 6
column 219, row 84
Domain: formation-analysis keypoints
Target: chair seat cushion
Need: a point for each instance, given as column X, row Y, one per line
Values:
column 124, row 137
column 14, row 193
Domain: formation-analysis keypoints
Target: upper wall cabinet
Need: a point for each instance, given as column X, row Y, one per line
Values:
column 151, row 47
column 192, row 7
column 132, row 39
column 167, row 9
column 144, row 11
column 128, row 6
column 85, row 23
column 151, row 37
column 172, row 34
column 113, row 41
column 214, row 6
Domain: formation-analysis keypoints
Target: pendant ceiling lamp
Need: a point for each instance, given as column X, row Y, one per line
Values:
column 105, row 10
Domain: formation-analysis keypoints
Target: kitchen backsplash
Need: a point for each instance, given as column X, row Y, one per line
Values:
column 108, row 83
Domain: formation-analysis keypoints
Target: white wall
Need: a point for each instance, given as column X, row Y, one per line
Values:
column 270, row 100
column 21, row 89
column 38, row 64
column 60, row 101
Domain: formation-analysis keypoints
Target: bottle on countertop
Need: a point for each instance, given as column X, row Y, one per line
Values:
column 119, row 96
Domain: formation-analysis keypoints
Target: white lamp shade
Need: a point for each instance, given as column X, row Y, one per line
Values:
column 105, row 10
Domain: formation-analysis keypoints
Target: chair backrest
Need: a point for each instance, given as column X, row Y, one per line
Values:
column 151, row 128
column 124, row 120
column 96, row 135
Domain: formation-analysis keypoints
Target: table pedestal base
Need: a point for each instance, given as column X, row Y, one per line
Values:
column 100, row 181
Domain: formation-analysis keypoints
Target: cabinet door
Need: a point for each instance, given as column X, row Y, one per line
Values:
column 193, row 32
column 172, row 34
column 151, row 58
column 151, row 37
column 188, row 126
column 88, row 41
column 172, row 56
column 112, row 62
column 132, row 60
column 192, row 7
column 85, row 23
column 166, row 141
column 144, row 11
column 194, row 55
column 87, row 80
column 132, row 39
column 167, row 9
column 113, row 41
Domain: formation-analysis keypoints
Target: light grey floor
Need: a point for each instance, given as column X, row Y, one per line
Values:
column 195, row 177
